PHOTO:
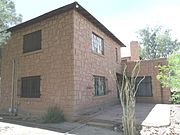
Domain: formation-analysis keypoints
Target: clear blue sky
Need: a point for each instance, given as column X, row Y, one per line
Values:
column 121, row 17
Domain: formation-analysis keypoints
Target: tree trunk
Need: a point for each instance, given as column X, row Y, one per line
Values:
column 127, row 90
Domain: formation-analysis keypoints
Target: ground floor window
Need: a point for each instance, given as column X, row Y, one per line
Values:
column 145, row 87
column 30, row 87
column 100, row 83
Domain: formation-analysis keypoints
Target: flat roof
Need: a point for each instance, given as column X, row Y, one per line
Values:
column 73, row 6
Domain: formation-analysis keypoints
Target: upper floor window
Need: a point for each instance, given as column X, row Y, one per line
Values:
column 32, row 41
column 117, row 58
column 97, row 44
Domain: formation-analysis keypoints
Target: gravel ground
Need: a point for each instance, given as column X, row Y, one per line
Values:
column 172, row 129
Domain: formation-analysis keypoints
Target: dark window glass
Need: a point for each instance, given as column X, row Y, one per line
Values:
column 99, row 85
column 30, row 87
column 32, row 41
column 145, row 87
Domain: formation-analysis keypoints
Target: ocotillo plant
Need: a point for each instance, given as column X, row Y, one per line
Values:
column 127, row 91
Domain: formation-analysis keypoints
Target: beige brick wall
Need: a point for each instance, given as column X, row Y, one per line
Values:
column 54, row 63
column 148, row 68
column 88, row 63
column 65, row 63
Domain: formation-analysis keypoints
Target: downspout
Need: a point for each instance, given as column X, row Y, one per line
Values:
column 12, row 89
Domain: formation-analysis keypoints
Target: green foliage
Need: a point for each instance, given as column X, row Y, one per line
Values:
column 53, row 115
column 9, row 17
column 156, row 43
column 169, row 75
column 175, row 98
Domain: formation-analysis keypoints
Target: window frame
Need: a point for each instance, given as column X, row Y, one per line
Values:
column 99, row 82
column 147, row 82
column 30, row 87
column 97, row 45
column 33, row 39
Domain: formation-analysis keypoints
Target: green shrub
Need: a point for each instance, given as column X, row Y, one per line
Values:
column 53, row 115
column 175, row 98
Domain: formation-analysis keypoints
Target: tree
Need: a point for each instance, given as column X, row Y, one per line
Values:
column 127, row 91
column 169, row 76
column 156, row 43
column 8, row 18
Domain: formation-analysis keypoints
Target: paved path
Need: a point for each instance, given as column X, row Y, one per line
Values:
column 149, row 114
column 88, row 130
column 14, row 129
column 113, row 114
column 158, row 117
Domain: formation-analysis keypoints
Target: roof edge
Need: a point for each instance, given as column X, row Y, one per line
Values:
column 76, row 6
column 44, row 16
column 92, row 19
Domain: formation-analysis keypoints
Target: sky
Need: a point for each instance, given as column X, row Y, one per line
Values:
column 122, row 17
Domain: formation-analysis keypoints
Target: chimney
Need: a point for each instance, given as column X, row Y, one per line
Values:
column 134, row 48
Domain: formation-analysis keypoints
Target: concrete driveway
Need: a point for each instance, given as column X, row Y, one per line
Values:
column 114, row 114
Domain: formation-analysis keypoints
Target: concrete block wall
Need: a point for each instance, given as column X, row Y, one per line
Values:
column 87, row 63
column 148, row 68
column 54, row 63
column 65, row 63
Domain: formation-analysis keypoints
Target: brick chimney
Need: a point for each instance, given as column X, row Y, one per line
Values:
column 134, row 48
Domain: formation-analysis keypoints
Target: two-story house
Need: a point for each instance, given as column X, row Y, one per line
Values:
column 64, row 58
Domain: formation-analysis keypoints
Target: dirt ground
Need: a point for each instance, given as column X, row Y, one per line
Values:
column 14, row 129
column 104, row 126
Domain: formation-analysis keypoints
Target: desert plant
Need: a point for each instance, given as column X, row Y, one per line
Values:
column 53, row 115
column 127, row 91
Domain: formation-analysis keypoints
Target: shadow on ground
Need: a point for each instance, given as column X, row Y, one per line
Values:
column 106, row 121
